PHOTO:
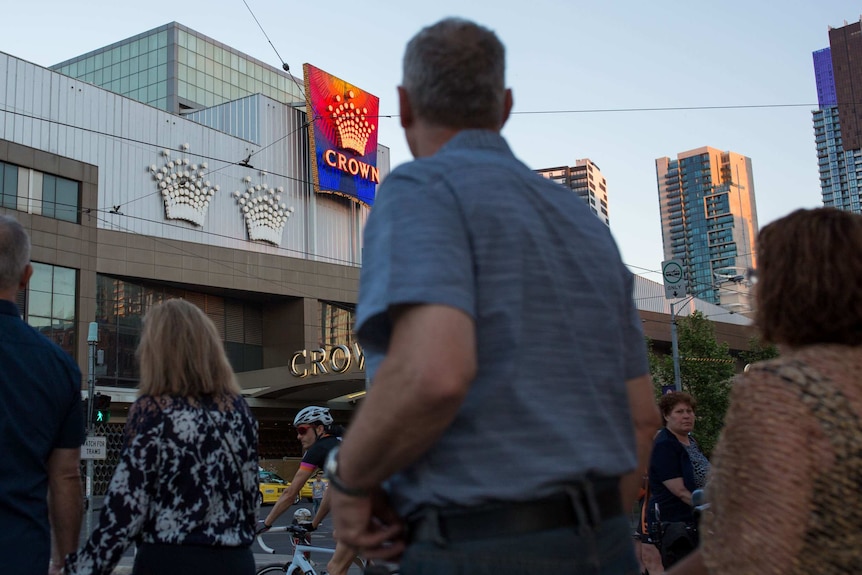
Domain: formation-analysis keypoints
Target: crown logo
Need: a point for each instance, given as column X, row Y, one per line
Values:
column 351, row 123
column 184, row 191
column 265, row 215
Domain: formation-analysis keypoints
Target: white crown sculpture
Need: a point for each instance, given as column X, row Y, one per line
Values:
column 351, row 124
column 185, row 192
column 265, row 215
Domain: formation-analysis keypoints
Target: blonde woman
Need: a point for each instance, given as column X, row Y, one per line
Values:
column 186, row 485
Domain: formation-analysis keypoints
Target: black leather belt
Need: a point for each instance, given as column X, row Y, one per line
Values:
column 582, row 505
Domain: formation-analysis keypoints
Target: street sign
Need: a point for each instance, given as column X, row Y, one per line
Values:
column 671, row 271
column 95, row 448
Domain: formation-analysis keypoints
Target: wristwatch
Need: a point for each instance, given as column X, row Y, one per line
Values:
column 330, row 470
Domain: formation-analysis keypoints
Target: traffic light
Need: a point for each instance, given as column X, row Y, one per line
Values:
column 101, row 408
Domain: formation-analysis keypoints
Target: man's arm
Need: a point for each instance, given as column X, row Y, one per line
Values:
column 416, row 393
column 288, row 495
column 65, row 502
column 646, row 420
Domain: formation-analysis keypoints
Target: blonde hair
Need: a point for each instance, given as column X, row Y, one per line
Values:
column 181, row 354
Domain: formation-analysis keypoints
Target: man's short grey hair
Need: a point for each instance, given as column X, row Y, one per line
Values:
column 14, row 252
column 454, row 74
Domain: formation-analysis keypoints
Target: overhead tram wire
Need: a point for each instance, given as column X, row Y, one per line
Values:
column 286, row 68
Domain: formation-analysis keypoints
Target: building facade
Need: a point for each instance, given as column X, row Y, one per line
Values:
column 709, row 222
column 838, row 76
column 172, row 192
column 586, row 180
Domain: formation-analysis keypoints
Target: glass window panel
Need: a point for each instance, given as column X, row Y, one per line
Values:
column 124, row 52
column 114, row 86
column 41, row 324
column 134, row 65
column 218, row 55
column 200, row 79
column 42, row 279
column 182, row 90
column 162, row 72
column 192, row 93
column 64, row 336
column 234, row 78
column 183, row 38
column 115, row 56
column 193, row 60
column 152, row 59
column 124, row 68
column 73, row 69
column 201, row 47
column 243, row 82
column 162, row 103
column 152, row 43
column 49, row 183
column 115, row 71
column 162, row 55
column 133, row 83
column 152, row 93
column 209, row 99
column 98, row 61
column 182, row 72
column 182, row 56
column 152, row 76
column 209, row 82
column 134, row 48
column 218, row 71
column 162, row 90
column 210, row 50
column 39, row 303
column 124, row 85
column 192, row 43
column 67, row 200
column 242, row 65
column 63, row 307
column 208, row 66
column 64, row 281
column 234, row 61
column 98, row 77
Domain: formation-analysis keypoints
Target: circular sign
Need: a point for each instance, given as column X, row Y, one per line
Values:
column 672, row 272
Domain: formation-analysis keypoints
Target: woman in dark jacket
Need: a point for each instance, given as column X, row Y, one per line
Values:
column 677, row 467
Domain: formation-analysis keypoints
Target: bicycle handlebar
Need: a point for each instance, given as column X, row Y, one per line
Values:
column 297, row 530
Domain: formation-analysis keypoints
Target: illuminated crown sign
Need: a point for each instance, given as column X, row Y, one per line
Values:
column 185, row 193
column 265, row 215
column 350, row 123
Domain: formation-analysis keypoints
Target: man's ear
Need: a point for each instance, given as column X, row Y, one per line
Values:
column 406, row 110
column 508, row 102
column 25, row 277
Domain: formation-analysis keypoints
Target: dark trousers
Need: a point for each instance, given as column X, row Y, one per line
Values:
column 161, row 559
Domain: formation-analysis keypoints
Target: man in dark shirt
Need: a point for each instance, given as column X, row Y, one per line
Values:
column 41, row 429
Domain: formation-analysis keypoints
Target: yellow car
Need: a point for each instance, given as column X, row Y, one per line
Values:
column 272, row 485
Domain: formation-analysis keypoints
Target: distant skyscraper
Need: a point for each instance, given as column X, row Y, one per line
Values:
column 837, row 121
column 709, row 221
column 586, row 180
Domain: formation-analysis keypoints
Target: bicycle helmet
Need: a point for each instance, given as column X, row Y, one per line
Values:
column 302, row 515
column 313, row 414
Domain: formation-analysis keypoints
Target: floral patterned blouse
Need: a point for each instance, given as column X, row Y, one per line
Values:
column 187, row 475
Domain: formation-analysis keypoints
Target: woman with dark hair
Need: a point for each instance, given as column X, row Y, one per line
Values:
column 186, row 485
column 677, row 467
column 784, row 496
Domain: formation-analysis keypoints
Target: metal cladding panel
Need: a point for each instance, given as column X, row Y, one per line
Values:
column 124, row 138
column 650, row 296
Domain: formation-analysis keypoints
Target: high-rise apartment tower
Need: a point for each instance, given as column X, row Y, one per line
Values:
column 709, row 221
column 838, row 119
column 586, row 180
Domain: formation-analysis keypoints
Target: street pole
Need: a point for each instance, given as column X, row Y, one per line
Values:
column 674, row 343
column 92, row 340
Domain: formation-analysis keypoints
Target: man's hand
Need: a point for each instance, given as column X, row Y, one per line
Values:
column 261, row 527
column 368, row 524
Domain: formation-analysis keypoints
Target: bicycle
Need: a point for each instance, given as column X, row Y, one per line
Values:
column 300, row 563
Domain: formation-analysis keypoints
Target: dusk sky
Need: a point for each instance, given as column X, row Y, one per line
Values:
column 588, row 77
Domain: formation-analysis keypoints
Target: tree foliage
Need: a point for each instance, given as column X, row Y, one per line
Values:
column 706, row 368
column 758, row 351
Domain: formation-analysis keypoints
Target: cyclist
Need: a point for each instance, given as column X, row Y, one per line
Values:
column 315, row 430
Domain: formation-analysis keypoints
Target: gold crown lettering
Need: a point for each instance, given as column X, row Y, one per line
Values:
column 185, row 193
column 351, row 123
column 265, row 215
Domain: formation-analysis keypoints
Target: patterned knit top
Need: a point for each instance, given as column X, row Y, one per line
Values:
column 787, row 471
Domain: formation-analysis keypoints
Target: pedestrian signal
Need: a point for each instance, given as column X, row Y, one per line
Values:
column 101, row 408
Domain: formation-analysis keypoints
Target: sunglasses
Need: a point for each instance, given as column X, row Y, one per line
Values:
column 302, row 429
